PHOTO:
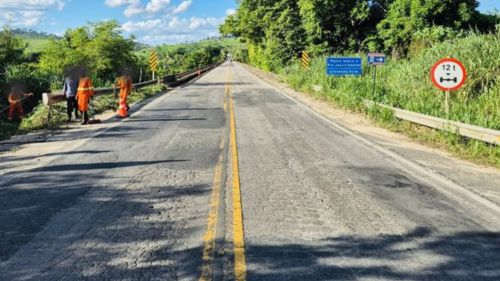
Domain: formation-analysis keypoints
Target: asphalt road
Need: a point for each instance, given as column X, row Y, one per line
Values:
column 157, row 197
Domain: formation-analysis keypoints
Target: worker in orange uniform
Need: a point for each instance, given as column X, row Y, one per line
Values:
column 83, row 95
column 16, row 97
column 125, row 85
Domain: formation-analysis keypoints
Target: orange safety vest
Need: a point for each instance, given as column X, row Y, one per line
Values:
column 125, row 84
column 85, row 91
column 15, row 97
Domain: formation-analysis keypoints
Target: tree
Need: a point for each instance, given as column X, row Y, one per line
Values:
column 229, row 27
column 11, row 48
column 285, row 37
column 99, row 47
column 407, row 17
column 340, row 25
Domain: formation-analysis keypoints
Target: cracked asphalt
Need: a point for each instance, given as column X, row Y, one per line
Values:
column 129, row 200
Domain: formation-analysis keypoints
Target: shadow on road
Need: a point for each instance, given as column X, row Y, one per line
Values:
column 96, row 166
column 30, row 199
column 5, row 159
column 419, row 255
column 114, row 230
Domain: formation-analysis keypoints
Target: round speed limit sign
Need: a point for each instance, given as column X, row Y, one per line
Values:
column 448, row 74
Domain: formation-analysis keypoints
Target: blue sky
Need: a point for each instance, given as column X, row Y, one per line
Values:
column 151, row 21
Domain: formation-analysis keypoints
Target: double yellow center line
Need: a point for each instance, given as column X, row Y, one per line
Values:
column 238, row 230
column 240, row 268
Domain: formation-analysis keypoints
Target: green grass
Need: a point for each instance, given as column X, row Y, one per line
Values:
column 36, row 45
column 38, row 118
column 406, row 84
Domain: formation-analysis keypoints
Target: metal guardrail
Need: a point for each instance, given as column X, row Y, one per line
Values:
column 465, row 130
column 470, row 131
column 51, row 99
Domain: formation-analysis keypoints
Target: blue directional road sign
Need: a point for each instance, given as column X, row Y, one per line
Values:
column 376, row 58
column 344, row 67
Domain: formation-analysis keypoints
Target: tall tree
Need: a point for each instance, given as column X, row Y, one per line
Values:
column 407, row 17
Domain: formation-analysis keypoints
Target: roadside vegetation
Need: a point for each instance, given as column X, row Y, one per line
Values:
column 414, row 34
column 36, row 62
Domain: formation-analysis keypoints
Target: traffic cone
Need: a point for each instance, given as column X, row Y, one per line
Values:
column 122, row 111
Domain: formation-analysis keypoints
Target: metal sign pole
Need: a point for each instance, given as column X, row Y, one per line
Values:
column 447, row 103
column 374, row 80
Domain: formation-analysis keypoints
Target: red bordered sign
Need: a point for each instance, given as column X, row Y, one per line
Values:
column 448, row 74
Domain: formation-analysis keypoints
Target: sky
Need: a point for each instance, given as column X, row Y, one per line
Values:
column 153, row 22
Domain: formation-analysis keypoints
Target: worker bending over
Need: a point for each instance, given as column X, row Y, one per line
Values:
column 83, row 96
column 16, row 97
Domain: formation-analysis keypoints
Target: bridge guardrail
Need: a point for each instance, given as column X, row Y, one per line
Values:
column 58, row 97
column 470, row 131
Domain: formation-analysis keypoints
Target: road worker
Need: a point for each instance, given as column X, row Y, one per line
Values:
column 16, row 97
column 70, row 89
column 84, row 94
column 125, row 85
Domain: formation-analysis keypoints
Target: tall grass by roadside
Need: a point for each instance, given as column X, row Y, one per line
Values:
column 406, row 84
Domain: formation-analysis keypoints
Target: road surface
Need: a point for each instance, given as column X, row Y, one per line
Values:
column 228, row 178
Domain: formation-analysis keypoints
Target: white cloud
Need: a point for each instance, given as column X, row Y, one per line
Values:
column 133, row 10
column 156, row 5
column 32, row 4
column 172, row 30
column 230, row 12
column 184, row 6
column 136, row 7
column 27, row 13
column 141, row 25
column 196, row 23
column 118, row 3
column 175, row 24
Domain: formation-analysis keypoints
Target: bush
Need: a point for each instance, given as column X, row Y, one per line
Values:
column 29, row 78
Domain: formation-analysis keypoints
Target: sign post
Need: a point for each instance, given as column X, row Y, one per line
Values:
column 153, row 63
column 375, row 59
column 448, row 75
column 305, row 60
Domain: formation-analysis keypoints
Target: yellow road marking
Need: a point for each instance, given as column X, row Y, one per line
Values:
column 207, row 269
column 238, row 235
column 209, row 238
column 226, row 91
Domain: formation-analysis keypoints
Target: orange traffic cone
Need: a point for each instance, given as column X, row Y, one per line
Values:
column 122, row 111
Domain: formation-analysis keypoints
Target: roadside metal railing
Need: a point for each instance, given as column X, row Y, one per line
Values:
column 465, row 130
column 174, row 80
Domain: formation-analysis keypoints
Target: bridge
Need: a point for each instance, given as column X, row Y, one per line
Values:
column 235, row 176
